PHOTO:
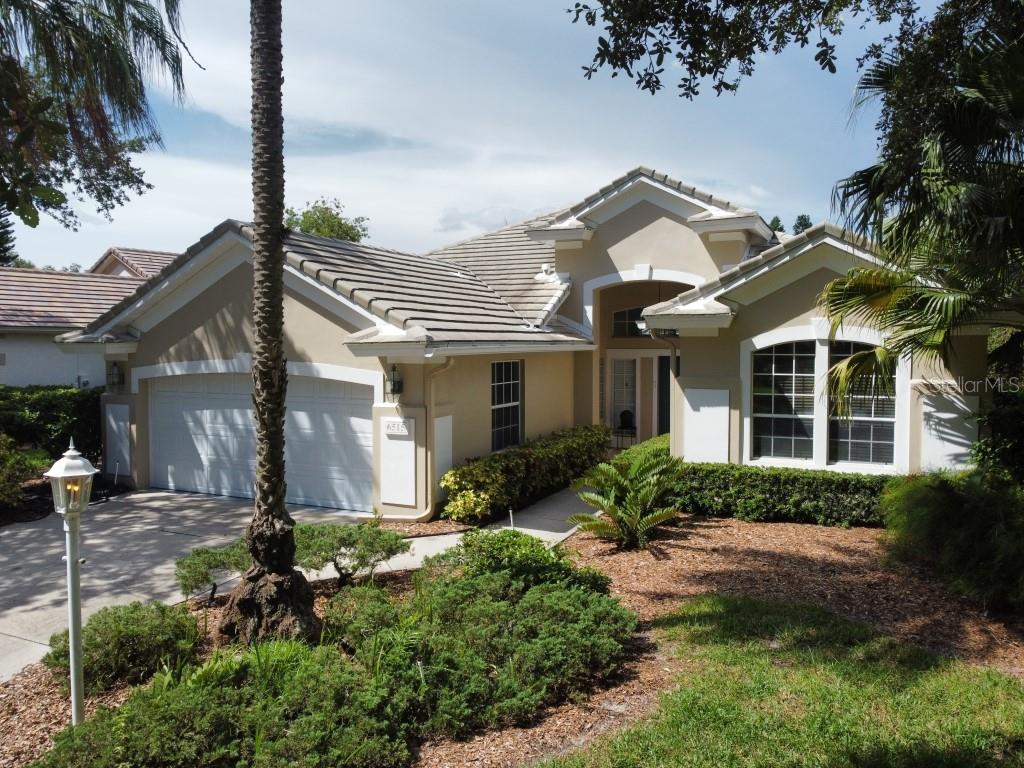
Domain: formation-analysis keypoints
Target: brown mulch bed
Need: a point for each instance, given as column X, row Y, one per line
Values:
column 38, row 504
column 412, row 530
column 835, row 568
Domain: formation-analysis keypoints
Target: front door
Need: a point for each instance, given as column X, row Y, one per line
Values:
column 664, row 394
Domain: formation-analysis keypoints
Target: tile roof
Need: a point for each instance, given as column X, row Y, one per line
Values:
column 661, row 178
column 765, row 258
column 36, row 298
column 509, row 262
column 444, row 297
column 144, row 263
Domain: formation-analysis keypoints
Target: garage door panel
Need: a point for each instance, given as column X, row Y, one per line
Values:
column 203, row 438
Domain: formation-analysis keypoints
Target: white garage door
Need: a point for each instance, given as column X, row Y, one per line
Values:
column 203, row 439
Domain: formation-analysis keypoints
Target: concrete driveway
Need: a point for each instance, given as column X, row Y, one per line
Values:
column 130, row 544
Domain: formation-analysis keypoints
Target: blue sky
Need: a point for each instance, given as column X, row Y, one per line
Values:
column 445, row 119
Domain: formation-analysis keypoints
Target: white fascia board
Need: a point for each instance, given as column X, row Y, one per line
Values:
column 561, row 234
column 160, row 292
column 443, row 350
column 731, row 223
column 651, row 184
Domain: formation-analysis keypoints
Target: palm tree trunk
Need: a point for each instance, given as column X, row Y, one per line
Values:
column 272, row 599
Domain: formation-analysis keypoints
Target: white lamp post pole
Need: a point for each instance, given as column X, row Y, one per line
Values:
column 71, row 525
column 71, row 481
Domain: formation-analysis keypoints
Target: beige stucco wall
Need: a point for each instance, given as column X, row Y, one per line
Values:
column 643, row 234
column 464, row 390
column 713, row 362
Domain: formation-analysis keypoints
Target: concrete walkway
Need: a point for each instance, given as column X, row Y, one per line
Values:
column 130, row 544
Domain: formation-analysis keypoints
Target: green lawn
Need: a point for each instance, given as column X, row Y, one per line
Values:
column 776, row 684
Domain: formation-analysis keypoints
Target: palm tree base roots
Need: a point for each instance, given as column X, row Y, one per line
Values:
column 268, row 605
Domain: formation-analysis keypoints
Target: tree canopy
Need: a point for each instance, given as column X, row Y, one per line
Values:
column 801, row 223
column 776, row 224
column 73, row 104
column 325, row 217
column 945, row 200
column 720, row 42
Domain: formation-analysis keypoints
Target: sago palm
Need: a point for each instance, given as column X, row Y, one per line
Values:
column 629, row 501
column 946, row 204
column 273, row 598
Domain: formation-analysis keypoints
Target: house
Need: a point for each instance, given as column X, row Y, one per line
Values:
column 402, row 365
column 36, row 305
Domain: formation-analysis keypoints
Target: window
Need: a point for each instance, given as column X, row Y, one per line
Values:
column 868, row 435
column 506, row 404
column 783, row 401
column 624, row 322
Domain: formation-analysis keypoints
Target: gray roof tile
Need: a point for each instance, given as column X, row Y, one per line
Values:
column 37, row 298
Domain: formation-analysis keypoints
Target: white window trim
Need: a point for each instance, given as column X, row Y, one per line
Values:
column 818, row 330
column 518, row 403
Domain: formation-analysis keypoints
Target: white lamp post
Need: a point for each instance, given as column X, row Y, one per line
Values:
column 71, row 480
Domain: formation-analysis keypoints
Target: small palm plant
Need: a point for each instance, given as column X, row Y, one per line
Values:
column 629, row 500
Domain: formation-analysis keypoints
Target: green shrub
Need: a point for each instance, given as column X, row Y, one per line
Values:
column 969, row 527
column 461, row 653
column 351, row 549
column 477, row 652
column 280, row 703
column 1001, row 445
column 203, row 567
column 770, row 494
column 48, row 416
column 525, row 558
column 15, row 469
column 631, row 501
column 519, row 476
column 127, row 644
column 357, row 613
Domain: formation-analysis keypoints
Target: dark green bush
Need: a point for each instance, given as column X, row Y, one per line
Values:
column 127, row 644
column 351, row 549
column 519, row 476
column 526, row 558
column 48, row 416
column 472, row 652
column 280, row 703
column 461, row 653
column 770, row 494
column 1001, row 445
column 15, row 469
column 969, row 527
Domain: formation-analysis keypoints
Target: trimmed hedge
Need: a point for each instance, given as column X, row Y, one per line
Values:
column 519, row 476
column 47, row 416
column 771, row 494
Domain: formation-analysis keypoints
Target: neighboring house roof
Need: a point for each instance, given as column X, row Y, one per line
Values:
column 140, row 262
column 511, row 263
column 36, row 299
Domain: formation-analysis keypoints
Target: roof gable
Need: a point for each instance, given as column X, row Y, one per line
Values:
column 139, row 262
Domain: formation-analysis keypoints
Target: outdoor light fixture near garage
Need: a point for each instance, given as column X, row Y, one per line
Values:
column 71, row 480
column 395, row 381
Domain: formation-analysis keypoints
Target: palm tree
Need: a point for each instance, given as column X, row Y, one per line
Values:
column 73, row 100
column 946, row 204
column 272, row 599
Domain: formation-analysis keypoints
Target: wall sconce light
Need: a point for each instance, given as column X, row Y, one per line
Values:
column 115, row 375
column 395, row 381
